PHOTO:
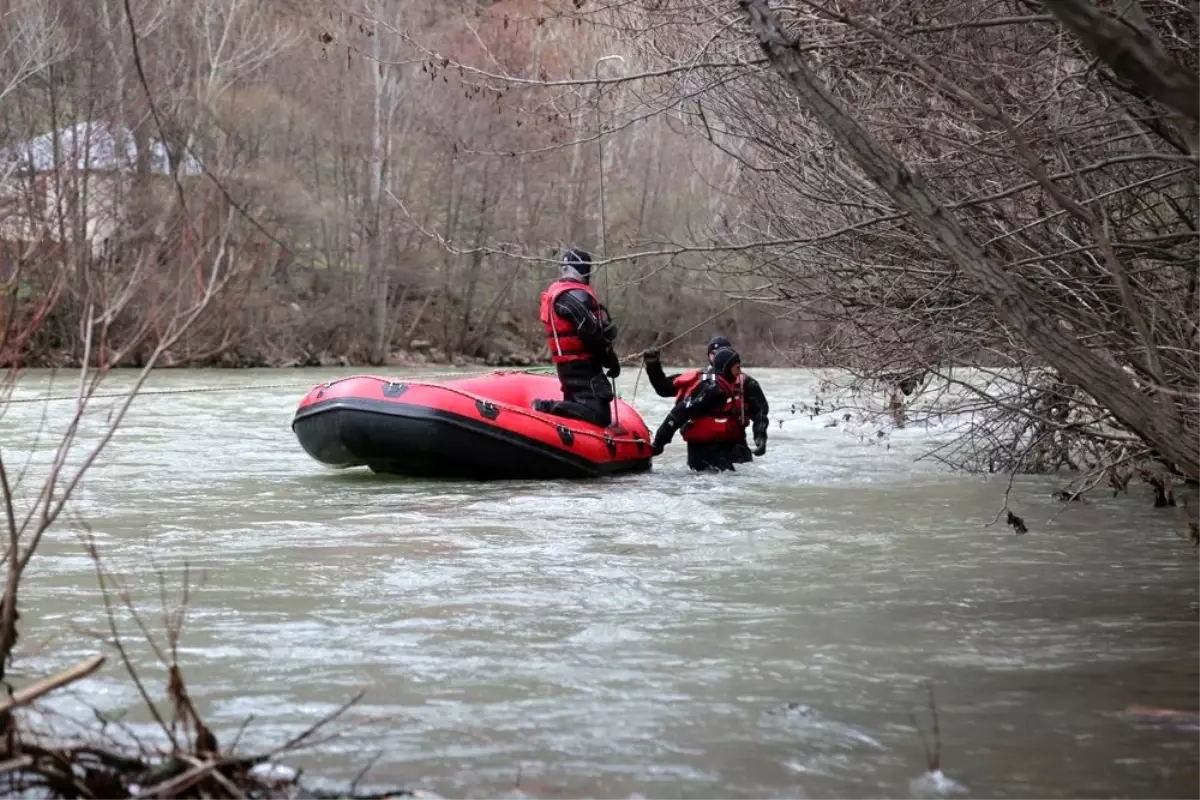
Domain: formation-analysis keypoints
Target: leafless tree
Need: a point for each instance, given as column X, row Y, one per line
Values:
column 949, row 185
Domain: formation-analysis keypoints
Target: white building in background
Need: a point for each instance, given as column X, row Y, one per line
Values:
column 89, row 178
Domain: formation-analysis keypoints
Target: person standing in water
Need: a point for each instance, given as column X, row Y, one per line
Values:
column 710, row 411
column 755, row 401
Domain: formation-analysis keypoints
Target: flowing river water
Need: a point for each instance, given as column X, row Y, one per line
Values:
column 767, row 633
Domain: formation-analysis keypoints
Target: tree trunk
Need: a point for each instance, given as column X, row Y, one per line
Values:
column 1014, row 298
column 1135, row 54
column 375, row 265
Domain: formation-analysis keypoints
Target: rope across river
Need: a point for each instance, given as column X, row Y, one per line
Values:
column 247, row 387
column 310, row 384
column 669, row 342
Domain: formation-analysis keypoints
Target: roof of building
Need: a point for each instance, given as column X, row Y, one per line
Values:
column 93, row 145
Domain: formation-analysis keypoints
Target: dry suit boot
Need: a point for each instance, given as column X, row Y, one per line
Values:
column 587, row 395
column 585, row 412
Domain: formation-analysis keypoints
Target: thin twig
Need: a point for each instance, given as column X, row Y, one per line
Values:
column 316, row 726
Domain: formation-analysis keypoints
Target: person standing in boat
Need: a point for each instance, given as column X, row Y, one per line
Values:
column 580, row 335
column 710, row 411
column 755, row 401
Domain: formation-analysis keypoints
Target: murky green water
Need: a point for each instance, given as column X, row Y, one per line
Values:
column 642, row 634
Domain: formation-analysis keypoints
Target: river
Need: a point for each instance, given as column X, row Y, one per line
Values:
column 767, row 633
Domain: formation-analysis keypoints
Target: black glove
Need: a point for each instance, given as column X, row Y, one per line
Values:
column 664, row 435
column 607, row 326
column 650, row 354
column 760, row 445
column 614, row 371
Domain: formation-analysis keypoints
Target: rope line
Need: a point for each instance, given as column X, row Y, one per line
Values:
column 244, row 387
column 289, row 385
column 196, row 390
column 548, row 419
column 670, row 342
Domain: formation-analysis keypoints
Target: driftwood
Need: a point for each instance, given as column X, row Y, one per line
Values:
column 47, row 685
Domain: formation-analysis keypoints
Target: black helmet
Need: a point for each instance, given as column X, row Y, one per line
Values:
column 724, row 360
column 579, row 260
column 717, row 342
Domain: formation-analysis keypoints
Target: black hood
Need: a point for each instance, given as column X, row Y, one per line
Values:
column 579, row 260
column 724, row 360
column 717, row 342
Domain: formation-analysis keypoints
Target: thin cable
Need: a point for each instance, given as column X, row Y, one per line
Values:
column 251, row 387
column 670, row 342
column 257, row 387
column 603, row 216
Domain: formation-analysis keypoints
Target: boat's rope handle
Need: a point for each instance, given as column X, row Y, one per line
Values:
column 505, row 406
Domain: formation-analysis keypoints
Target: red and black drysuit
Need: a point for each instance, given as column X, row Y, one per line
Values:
column 756, row 408
column 579, row 333
column 710, row 411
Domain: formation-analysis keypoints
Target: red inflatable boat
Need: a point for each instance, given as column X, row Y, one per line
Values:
column 480, row 428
